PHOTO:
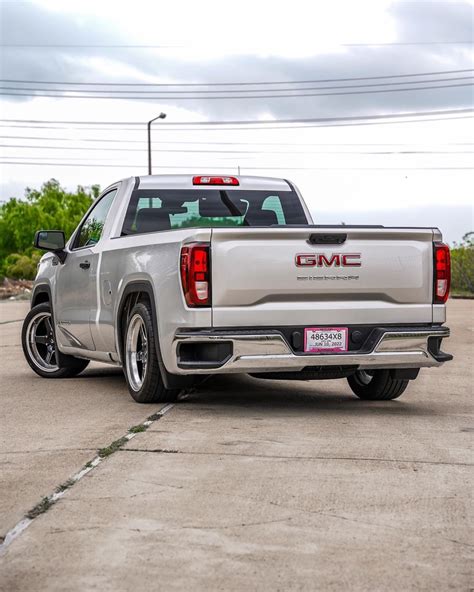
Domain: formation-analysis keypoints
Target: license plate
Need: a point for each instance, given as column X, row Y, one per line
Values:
column 325, row 339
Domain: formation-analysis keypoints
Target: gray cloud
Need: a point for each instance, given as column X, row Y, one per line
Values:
column 443, row 21
column 415, row 21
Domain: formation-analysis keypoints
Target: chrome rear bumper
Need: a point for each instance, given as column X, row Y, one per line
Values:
column 270, row 352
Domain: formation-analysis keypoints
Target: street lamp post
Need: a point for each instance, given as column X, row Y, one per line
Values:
column 160, row 116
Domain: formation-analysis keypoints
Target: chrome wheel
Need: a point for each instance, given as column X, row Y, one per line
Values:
column 40, row 342
column 136, row 352
column 362, row 377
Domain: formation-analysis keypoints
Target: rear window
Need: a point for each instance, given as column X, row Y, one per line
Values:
column 151, row 210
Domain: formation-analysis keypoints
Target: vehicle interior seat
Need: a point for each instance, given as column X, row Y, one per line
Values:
column 153, row 219
column 261, row 218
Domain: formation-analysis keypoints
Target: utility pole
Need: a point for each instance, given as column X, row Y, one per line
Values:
column 160, row 116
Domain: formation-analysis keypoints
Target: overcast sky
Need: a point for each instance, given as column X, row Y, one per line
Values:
column 413, row 170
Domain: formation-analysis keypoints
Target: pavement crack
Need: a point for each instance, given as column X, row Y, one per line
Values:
column 45, row 450
column 468, row 545
column 295, row 457
column 334, row 515
column 87, row 528
column 12, row 321
column 154, row 450
column 239, row 525
column 164, row 485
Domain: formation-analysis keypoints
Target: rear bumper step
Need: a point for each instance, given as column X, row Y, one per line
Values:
column 260, row 350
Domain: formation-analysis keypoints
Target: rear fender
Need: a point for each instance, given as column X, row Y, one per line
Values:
column 171, row 381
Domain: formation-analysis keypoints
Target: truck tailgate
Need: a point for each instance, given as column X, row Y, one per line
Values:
column 256, row 280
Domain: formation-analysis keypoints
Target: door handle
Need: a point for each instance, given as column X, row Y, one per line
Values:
column 84, row 264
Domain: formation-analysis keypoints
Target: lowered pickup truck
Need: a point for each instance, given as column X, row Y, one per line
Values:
column 177, row 277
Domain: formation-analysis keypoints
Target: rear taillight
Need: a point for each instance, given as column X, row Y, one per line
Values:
column 196, row 274
column 442, row 273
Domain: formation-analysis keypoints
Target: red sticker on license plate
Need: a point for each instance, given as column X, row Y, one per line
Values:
column 326, row 339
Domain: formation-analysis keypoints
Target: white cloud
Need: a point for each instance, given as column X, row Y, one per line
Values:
column 267, row 28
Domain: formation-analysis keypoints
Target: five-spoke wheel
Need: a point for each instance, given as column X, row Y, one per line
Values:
column 140, row 356
column 40, row 342
column 136, row 351
column 39, row 346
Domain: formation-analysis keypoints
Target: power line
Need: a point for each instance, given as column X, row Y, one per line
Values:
column 227, row 168
column 190, row 46
column 220, row 151
column 266, row 128
column 108, row 140
column 253, row 121
column 230, row 143
column 232, row 97
column 244, row 129
column 58, row 158
column 254, row 128
column 262, row 83
column 163, row 92
column 408, row 43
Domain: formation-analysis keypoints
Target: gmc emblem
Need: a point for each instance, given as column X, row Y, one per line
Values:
column 333, row 260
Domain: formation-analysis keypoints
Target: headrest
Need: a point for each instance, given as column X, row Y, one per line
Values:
column 152, row 220
column 261, row 218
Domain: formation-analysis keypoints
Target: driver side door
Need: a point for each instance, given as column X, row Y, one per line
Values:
column 76, row 292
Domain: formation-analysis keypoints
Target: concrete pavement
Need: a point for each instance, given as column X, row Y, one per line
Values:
column 50, row 428
column 245, row 484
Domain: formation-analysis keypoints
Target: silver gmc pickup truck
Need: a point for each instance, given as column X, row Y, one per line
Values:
column 177, row 277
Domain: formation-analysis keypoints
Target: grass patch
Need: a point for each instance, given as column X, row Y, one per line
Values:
column 40, row 508
column 111, row 448
column 138, row 428
column 88, row 465
column 66, row 485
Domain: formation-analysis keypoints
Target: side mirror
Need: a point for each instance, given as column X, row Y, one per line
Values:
column 51, row 240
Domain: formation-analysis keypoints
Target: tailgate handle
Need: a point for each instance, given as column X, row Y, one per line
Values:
column 327, row 239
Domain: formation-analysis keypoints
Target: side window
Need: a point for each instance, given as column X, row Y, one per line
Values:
column 91, row 229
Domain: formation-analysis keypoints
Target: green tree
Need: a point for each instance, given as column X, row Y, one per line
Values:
column 462, row 265
column 50, row 208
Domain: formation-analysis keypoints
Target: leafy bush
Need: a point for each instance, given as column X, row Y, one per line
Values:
column 50, row 208
column 21, row 267
column 462, row 265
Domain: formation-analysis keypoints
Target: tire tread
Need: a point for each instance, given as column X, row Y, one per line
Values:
column 382, row 387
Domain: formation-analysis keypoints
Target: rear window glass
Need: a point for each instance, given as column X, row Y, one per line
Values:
column 151, row 210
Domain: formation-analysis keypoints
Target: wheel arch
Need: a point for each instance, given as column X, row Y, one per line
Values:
column 134, row 289
column 139, row 289
column 41, row 294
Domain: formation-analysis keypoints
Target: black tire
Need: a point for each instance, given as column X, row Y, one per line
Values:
column 141, row 366
column 38, row 342
column 376, row 385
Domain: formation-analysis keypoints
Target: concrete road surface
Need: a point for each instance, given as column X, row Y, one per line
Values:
column 243, row 485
